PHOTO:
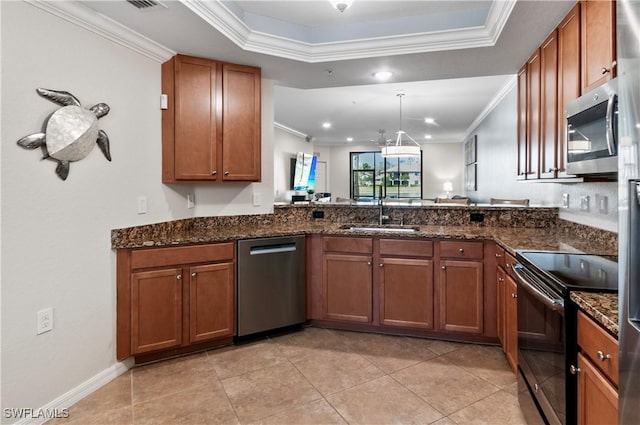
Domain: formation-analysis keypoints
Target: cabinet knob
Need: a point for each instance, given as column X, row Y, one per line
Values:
column 194, row 274
column 226, row 173
column 574, row 370
column 602, row 357
column 508, row 265
column 498, row 255
column 461, row 250
column 500, row 279
column 214, row 172
column 444, row 267
column 552, row 170
column 381, row 264
column 368, row 263
column 605, row 70
column 179, row 277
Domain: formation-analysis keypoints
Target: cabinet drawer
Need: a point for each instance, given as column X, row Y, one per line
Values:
column 406, row 247
column 599, row 346
column 158, row 257
column 500, row 255
column 348, row 245
column 461, row 249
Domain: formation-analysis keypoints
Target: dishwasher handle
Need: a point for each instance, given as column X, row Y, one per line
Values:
column 272, row 249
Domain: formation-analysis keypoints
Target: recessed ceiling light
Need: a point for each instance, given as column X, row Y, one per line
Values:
column 429, row 120
column 326, row 125
column 427, row 136
column 349, row 139
column 383, row 75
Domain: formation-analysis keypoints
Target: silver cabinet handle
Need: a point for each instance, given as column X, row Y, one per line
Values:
column 498, row 255
column 214, row 172
column 461, row 250
column 574, row 370
column 381, row 264
column 605, row 70
column 368, row 263
column 194, row 274
column 226, row 173
column 602, row 357
column 444, row 267
column 179, row 277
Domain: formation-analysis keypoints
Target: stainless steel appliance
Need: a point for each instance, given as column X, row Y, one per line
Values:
column 628, row 42
column 592, row 132
column 271, row 284
column 547, row 328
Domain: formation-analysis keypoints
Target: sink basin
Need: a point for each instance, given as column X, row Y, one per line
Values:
column 378, row 228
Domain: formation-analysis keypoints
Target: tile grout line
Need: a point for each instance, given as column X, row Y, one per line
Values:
column 225, row 392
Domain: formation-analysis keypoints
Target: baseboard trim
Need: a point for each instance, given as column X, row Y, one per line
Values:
column 76, row 394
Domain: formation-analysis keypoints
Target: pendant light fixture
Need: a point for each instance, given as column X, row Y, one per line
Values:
column 341, row 5
column 398, row 149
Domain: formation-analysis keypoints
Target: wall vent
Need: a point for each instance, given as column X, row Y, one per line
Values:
column 147, row 4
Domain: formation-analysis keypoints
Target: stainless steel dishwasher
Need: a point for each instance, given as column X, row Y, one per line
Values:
column 271, row 283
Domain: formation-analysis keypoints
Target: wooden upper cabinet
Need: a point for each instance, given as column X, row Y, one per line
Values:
column 568, row 79
column 522, row 123
column 598, row 18
column 548, row 105
column 241, row 123
column 534, row 69
column 211, row 129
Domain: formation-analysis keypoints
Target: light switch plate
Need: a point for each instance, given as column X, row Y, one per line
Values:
column 142, row 204
column 565, row 200
column 584, row 203
column 603, row 207
column 191, row 201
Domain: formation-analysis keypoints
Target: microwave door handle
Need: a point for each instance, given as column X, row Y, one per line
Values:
column 610, row 142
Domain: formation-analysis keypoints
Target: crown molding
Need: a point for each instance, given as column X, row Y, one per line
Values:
column 289, row 130
column 504, row 91
column 226, row 22
column 89, row 19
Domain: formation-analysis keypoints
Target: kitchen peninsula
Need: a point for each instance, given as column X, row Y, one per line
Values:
column 444, row 240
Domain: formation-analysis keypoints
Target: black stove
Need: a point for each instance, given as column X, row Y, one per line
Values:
column 547, row 327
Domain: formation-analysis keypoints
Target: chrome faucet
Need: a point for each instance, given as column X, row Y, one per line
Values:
column 381, row 216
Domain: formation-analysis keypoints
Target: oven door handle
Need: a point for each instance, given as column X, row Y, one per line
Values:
column 551, row 303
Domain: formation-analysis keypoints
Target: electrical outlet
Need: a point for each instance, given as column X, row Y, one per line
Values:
column 44, row 320
column 257, row 199
column 191, row 201
column 565, row 200
column 603, row 207
column 584, row 203
column 142, row 204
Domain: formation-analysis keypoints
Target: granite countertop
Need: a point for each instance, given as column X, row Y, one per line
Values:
column 602, row 307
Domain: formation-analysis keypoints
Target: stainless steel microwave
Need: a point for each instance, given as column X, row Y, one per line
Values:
column 592, row 123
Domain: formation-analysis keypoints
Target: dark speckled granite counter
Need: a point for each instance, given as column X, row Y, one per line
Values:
column 603, row 308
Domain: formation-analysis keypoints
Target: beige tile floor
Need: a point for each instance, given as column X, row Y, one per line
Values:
column 315, row 376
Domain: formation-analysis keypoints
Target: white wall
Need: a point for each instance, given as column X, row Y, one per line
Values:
column 440, row 162
column 56, row 235
column 286, row 146
column 496, row 173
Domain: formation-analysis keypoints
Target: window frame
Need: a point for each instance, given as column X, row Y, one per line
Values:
column 385, row 187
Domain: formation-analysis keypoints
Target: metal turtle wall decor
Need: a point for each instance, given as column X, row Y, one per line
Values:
column 70, row 132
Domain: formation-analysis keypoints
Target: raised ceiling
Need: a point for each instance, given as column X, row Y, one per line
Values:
column 435, row 49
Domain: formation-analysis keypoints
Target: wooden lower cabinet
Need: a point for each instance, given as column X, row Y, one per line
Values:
column 347, row 288
column 212, row 298
column 597, row 397
column 461, row 296
column 510, row 338
column 500, row 305
column 175, row 298
column 156, row 310
column 406, row 292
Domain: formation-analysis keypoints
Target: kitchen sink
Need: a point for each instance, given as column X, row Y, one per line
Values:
column 381, row 228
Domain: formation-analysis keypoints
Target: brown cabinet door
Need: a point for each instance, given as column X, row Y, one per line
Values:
column 212, row 300
column 522, row 123
column 597, row 398
column 533, row 116
column 549, row 106
column 500, row 305
column 156, row 310
column 241, row 123
column 196, row 91
column 406, row 292
column 460, row 294
column 347, row 288
column 568, row 79
column 598, row 42
column 510, row 298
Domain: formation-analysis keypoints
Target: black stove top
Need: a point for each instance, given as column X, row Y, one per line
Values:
column 573, row 271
